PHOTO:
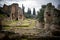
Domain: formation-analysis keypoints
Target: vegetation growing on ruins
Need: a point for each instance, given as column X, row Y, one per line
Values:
column 40, row 15
column 2, row 16
column 27, row 24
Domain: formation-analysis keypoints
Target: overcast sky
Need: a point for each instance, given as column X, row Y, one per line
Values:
column 30, row 3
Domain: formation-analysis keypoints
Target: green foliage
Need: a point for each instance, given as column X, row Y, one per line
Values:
column 23, row 8
column 28, row 15
column 58, row 6
column 34, row 11
column 21, row 23
column 49, row 4
column 2, row 15
column 29, row 11
column 40, row 15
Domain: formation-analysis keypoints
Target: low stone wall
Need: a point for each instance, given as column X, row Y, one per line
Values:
column 24, row 31
column 33, row 32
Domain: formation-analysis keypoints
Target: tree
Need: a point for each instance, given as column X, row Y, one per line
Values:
column 58, row 6
column 23, row 8
column 49, row 4
column 40, row 15
column 29, row 11
column 34, row 13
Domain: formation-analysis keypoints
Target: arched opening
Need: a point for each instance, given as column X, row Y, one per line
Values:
column 20, row 16
column 16, row 18
column 48, row 13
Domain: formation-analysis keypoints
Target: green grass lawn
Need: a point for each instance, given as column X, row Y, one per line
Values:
column 27, row 23
column 2, row 15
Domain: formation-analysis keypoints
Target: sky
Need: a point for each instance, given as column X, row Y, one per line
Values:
column 30, row 3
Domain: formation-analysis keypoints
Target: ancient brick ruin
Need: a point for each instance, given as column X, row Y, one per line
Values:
column 13, row 11
column 52, row 18
column 48, row 15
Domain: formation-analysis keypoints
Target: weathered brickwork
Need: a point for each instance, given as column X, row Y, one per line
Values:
column 13, row 11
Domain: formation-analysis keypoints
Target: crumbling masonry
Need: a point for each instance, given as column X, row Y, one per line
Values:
column 14, row 11
column 52, row 18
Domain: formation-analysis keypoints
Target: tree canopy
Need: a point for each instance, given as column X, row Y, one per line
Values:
column 40, row 15
column 34, row 13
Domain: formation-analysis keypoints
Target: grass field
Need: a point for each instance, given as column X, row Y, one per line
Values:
column 27, row 23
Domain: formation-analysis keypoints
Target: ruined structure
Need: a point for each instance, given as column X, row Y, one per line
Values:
column 5, row 8
column 48, row 14
column 20, row 14
column 13, row 11
column 55, row 27
column 52, row 18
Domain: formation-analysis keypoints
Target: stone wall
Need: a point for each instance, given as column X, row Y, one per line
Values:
column 5, row 8
column 20, row 14
column 48, row 15
column 13, row 11
column 51, row 18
